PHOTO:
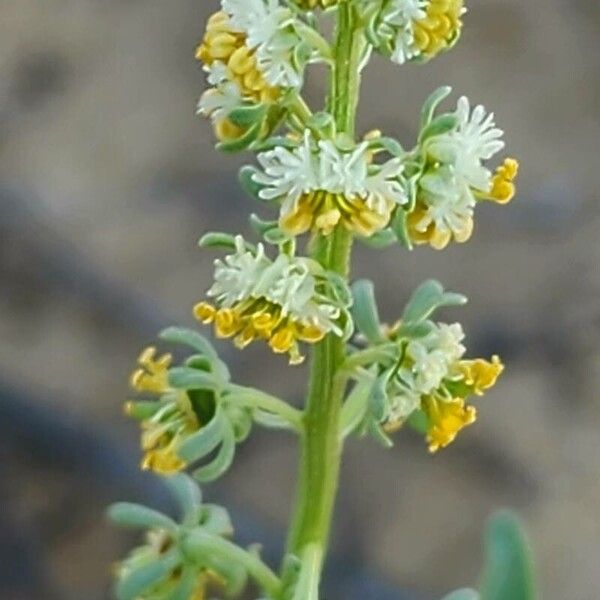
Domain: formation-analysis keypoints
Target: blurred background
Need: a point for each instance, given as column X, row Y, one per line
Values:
column 107, row 180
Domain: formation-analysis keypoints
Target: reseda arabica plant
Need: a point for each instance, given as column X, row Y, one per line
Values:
column 292, row 289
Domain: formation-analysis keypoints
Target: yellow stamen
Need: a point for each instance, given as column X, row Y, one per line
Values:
column 503, row 183
column 226, row 323
column 282, row 341
column 205, row 312
column 322, row 211
column 446, row 419
column 440, row 27
column 481, row 374
column 153, row 374
column 438, row 239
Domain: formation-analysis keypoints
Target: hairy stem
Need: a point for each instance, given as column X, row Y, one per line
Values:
column 321, row 442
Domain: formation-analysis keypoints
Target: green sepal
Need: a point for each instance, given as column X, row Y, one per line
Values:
column 142, row 409
column 414, row 331
column 427, row 298
column 188, row 496
column 323, row 124
column 431, row 104
column 380, row 435
column 389, row 144
column 136, row 516
column 224, row 458
column 203, row 442
column 243, row 142
column 185, row 378
column 418, row 421
column 216, row 520
column 246, row 116
column 186, row 585
column 508, row 571
column 364, row 310
column 378, row 396
column 439, row 126
column 380, row 239
column 189, row 337
column 371, row 17
column 464, row 594
column 246, row 179
column 138, row 580
column 399, row 226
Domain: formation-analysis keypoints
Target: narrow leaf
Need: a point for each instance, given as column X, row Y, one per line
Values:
column 223, row 460
column 136, row 516
column 187, row 493
column 427, row 298
column 364, row 310
column 138, row 580
column 186, row 378
column 204, row 442
column 431, row 104
column 508, row 571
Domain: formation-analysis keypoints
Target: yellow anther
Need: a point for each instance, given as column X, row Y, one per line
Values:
column 481, row 374
column 446, row 419
column 438, row 239
column 283, row 340
column 153, row 374
column 503, row 187
column 440, row 27
column 226, row 323
column 205, row 312
column 310, row 333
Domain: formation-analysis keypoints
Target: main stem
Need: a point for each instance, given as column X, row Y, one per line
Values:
column 321, row 441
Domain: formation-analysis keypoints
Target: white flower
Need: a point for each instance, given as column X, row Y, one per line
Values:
column 269, row 29
column 432, row 358
column 288, row 174
column 220, row 101
column 449, row 201
column 475, row 139
column 398, row 19
column 288, row 282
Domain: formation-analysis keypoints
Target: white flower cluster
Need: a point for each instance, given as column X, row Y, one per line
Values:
column 288, row 174
column 269, row 28
column 427, row 363
column 397, row 20
column 288, row 282
column 448, row 189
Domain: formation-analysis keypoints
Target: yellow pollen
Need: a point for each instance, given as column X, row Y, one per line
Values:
column 440, row 27
column 503, row 183
column 446, row 419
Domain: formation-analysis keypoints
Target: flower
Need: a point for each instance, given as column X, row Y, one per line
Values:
column 269, row 31
column 419, row 29
column 232, row 70
column 446, row 418
column 283, row 301
column 455, row 177
column 312, row 4
column 165, row 424
column 321, row 186
column 429, row 377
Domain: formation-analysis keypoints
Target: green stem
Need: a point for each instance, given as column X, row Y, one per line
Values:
column 321, row 442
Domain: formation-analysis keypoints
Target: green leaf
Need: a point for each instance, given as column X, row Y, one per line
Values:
column 215, row 239
column 508, row 571
column 138, row 580
column 439, row 126
column 381, row 239
column 465, row 594
column 426, row 299
column 390, row 145
column 136, row 516
column 431, row 104
column 364, row 310
column 378, row 397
